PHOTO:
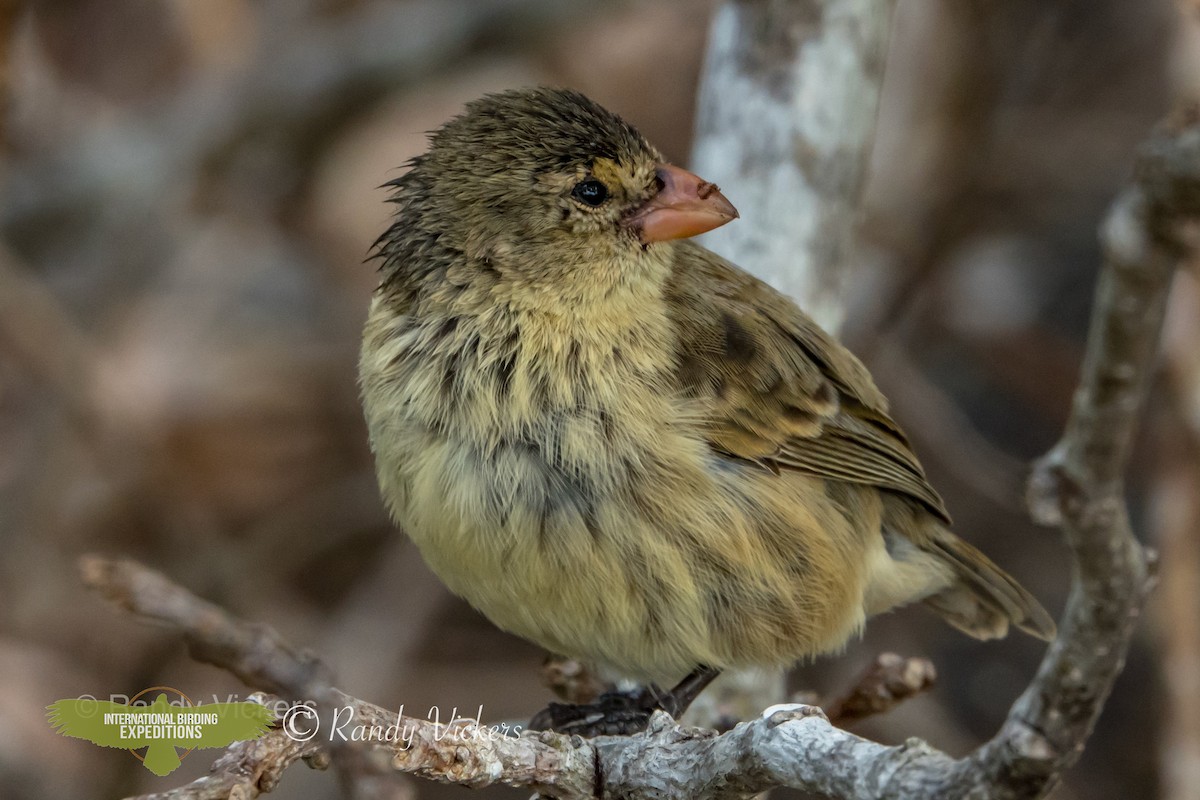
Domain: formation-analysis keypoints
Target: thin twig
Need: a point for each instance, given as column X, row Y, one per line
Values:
column 888, row 682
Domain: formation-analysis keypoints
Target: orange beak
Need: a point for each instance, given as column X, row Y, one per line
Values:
column 685, row 206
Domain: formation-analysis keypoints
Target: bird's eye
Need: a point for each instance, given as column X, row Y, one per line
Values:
column 590, row 192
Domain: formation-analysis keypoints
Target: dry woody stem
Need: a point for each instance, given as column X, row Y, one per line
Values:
column 885, row 684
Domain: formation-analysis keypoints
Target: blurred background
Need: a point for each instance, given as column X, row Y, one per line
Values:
column 188, row 190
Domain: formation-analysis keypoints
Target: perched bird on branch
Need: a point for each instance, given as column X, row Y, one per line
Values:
column 622, row 447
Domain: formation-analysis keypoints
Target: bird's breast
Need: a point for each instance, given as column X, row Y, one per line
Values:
column 491, row 418
column 559, row 485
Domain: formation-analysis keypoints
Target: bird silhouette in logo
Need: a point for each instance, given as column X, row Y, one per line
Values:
column 159, row 727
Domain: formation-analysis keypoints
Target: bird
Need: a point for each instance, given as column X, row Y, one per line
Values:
column 622, row 447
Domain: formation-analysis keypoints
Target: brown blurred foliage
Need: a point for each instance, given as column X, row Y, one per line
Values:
column 188, row 196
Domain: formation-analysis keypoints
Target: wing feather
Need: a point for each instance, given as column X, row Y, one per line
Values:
column 777, row 390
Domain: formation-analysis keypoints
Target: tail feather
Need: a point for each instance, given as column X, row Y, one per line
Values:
column 985, row 599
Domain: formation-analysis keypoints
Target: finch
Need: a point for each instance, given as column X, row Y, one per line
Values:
column 617, row 444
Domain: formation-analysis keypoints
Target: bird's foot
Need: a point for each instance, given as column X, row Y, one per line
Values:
column 617, row 713
column 613, row 713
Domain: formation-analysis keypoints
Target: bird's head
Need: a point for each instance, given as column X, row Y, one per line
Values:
column 536, row 182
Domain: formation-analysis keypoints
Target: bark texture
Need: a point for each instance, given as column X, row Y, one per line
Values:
column 785, row 123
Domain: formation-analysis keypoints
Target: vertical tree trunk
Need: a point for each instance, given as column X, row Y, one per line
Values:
column 785, row 125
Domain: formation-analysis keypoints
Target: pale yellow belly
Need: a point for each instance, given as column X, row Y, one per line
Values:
column 672, row 565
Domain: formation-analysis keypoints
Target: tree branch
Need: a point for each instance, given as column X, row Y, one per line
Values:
column 551, row 764
column 248, row 769
column 1079, row 484
column 884, row 685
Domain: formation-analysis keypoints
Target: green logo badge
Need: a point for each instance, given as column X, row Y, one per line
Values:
column 159, row 727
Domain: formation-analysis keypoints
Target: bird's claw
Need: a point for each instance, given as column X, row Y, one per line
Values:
column 612, row 714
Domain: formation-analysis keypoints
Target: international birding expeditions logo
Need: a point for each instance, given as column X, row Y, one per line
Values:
column 160, row 726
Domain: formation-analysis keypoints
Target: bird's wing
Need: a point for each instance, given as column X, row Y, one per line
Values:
column 776, row 390
column 83, row 718
column 238, row 722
